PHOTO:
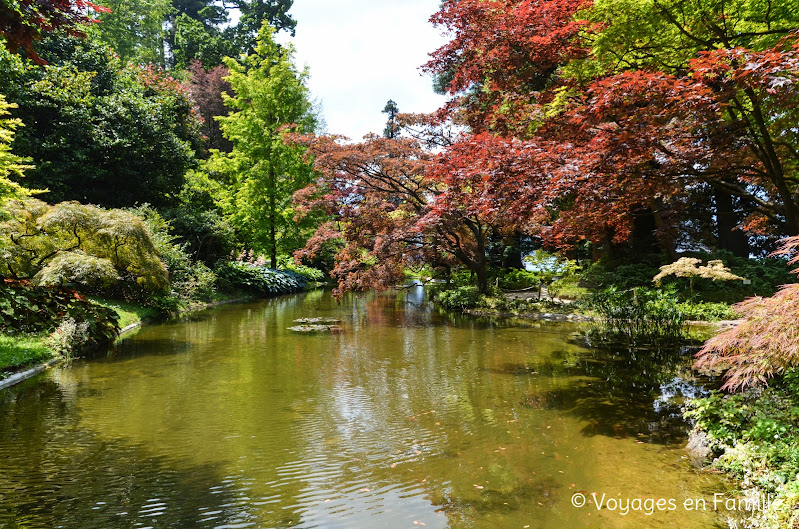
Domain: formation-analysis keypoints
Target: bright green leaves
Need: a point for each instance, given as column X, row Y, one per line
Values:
column 134, row 29
column 264, row 172
column 666, row 34
column 10, row 164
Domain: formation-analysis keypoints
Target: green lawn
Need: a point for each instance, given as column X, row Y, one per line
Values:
column 128, row 312
column 22, row 350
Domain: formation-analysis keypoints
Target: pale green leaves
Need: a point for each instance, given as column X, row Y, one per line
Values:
column 691, row 267
column 75, row 243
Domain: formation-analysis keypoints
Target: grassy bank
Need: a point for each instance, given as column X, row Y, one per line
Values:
column 22, row 351
column 128, row 312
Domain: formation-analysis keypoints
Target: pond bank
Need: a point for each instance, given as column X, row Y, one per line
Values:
column 16, row 374
column 752, row 437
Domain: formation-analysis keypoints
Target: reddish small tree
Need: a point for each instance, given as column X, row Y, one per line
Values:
column 206, row 89
column 23, row 21
column 765, row 343
column 396, row 204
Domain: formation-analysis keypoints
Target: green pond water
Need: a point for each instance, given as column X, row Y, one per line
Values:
column 405, row 419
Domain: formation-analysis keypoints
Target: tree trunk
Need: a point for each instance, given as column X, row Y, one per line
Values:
column 482, row 276
column 480, row 265
column 665, row 234
column 729, row 238
column 272, row 218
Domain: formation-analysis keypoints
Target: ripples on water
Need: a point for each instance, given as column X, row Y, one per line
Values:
column 407, row 419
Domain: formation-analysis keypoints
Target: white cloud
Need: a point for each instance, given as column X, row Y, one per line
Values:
column 362, row 53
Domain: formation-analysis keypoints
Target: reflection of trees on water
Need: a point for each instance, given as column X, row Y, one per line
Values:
column 57, row 474
column 621, row 391
column 321, row 430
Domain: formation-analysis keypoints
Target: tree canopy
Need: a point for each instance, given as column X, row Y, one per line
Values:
column 269, row 99
column 100, row 132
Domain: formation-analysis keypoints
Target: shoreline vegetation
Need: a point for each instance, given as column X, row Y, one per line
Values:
column 22, row 351
column 187, row 162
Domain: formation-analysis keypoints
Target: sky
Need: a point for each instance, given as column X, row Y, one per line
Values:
column 361, row 53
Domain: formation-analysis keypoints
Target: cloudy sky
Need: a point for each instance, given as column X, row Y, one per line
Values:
column 361, row 53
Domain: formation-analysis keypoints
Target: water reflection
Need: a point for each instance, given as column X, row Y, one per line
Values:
column 228, row 419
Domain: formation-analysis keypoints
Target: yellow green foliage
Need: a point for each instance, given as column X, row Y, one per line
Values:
column 78, row 244
column 691, row 267
column 10, row 164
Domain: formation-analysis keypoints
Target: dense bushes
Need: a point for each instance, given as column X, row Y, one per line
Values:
column 188, row 279
column 706, row 311
column 100, row 132
column 311, row 275
column 763, row 275
column 238, row 276
column 459, row 298
column 754, row 437
column 26, row 308
column 638, row 314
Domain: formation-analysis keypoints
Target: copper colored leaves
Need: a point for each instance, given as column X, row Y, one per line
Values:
column 765, row 343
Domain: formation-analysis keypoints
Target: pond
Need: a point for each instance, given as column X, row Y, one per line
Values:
column 405, row 418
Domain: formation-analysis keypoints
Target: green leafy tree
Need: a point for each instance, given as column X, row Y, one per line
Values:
column 72, row 243
column 100, row 133
column 264, row 172
column 253, row 15
column 10, row 164
column 134, row 29
column 194, row 41
column 199, row 29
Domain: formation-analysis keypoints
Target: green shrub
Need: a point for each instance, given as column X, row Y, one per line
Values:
column 188, row 279
column 754, row 431
column 76, row 243
column 460, row 298
column 638, row 314
column 706, row 311
column 25, row 308
column 567, row 288
column 603, row 274
column 78, row 268
column 69, row 337
column 309, row 273
column 239, row 276
column 518, row 279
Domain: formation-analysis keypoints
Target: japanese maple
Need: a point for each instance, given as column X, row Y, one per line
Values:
column 765, row 343
column 24, row 21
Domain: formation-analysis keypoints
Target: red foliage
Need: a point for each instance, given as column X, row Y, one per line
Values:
column 206, row 89
column 631, row 142
column 23, row 21
column 376, row 191
column 765, row 343
column 397, row 204
column 508, row 48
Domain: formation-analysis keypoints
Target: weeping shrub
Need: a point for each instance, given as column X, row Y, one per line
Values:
column 460, row 298
column 79, row 268
column 77, row 244
column 766, row 342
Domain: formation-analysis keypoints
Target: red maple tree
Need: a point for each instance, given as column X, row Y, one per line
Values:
column 23, row 21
